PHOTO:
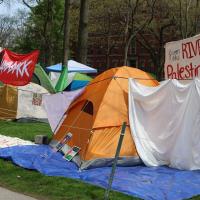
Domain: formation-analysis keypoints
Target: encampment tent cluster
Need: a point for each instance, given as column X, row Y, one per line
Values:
column 20, row 100
column 86, row 115
column 93, row 111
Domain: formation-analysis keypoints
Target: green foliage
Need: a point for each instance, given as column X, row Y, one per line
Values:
column 35, row 35
column 112, row 23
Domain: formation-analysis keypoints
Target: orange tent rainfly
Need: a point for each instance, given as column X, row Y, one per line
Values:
column 96, row 117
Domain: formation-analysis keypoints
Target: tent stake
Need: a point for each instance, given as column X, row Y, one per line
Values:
column 107, row 192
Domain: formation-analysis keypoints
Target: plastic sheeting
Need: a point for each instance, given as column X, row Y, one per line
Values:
column 54, row 76
column 73, row 66
column 165, row 123
column 57, row 104
column 6, row 141
column 155, row 183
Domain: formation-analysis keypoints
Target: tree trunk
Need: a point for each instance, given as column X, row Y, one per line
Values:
column 48, row 37
column 83, row 32
column 127, row 48
column 66, row 34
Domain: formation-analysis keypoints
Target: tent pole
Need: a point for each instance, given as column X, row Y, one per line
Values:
column 107, row 192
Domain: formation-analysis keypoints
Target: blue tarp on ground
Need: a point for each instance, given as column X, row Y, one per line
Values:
column 143, row 182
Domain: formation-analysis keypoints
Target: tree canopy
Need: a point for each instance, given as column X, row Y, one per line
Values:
column 150, row 23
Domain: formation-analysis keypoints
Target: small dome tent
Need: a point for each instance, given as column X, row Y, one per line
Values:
column 74, row 80
column 95, row 119
column 79, row 81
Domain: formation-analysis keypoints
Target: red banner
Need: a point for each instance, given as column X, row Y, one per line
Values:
column 17, row 69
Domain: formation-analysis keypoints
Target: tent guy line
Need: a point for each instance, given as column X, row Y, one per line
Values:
column 75, row 120
column 121, row 77
column 31, row 91
column 76, row 127
column 113, row 77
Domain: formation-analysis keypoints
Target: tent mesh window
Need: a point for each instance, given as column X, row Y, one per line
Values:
column 88, row 107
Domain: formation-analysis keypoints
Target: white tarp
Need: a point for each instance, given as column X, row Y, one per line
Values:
column 6, row 141
column 165, row 123
column 72, row 66
column 30, row 102
column 54, row 76
column 57, row 104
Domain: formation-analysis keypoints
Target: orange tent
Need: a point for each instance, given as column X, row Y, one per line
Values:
column 96, row 117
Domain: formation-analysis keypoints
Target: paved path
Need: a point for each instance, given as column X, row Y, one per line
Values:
column 9, row 195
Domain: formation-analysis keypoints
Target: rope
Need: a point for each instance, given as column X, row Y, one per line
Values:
column 75, row 120
column 32, row 91
column 76, row 127
column 136, row 78
column 112, row 77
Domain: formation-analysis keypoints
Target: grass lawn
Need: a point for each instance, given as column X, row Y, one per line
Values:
column 37, row 185
column 43, row 187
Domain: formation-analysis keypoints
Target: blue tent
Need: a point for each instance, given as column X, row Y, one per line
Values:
column 78, row 81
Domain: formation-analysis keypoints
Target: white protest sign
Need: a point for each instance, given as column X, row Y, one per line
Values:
column 182, row 59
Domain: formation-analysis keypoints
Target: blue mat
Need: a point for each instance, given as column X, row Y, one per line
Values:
column 143, row 182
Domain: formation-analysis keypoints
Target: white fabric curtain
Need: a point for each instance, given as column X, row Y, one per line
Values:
column 165, row 123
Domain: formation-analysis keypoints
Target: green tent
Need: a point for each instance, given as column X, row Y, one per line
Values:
column 77, row 81
column 70, row 81
column 41, row 78
column 62, row 81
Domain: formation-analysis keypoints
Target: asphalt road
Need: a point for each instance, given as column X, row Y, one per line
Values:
column 9, row 195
